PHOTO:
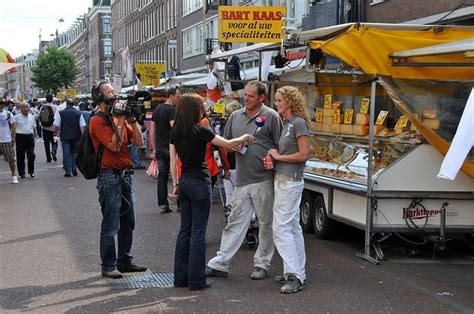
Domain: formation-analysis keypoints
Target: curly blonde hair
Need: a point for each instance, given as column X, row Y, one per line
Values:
column 295, row 99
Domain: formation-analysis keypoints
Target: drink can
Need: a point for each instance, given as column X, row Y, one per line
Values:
column 268, row 162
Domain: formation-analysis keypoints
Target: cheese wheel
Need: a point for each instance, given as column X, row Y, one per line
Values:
column 336, row 128
column 327, row 120
column 347, row 129
column 317, row 126
column 327, row 112
column 432, row 123
column 327, row 128
column 362, row 119
column 361, row 129
column 429, row 114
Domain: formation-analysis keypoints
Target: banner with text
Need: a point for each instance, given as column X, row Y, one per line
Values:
column 150, row 73
column 242, row 24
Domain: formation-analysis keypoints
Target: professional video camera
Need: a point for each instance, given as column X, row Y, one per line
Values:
column 134, row 105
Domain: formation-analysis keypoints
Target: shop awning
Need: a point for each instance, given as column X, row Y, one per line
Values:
column 4, row 67
column 452, row 47
column 240, row 51
column 368, row 47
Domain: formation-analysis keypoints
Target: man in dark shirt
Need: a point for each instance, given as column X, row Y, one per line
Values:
column 162, row 121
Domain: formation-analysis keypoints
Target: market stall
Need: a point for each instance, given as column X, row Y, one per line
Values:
column 382, row 130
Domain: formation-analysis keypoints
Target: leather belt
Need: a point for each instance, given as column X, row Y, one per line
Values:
column 123, row 173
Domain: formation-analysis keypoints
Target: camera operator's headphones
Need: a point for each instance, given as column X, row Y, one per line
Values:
column 96, row 94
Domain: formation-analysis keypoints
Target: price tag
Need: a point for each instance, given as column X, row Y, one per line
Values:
column 364, row 105
column 319, row 115
column 381, row 117
column 219, row 107
column 327, row 101
column 348, row 114
column 401, row 123
column 336, row 116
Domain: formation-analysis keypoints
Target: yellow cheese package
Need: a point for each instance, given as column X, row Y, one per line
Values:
column 361, row 130
column 319, row 115
column 364, row 105
column 336, row 116
column 327, row 112
column 327, row 101
column 335, row 128
column 327, row 120
column 381, row 117
column 362, row 119
column 347, row 129
column 348, row 114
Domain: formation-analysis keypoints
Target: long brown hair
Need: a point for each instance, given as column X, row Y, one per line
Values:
column 188, row 114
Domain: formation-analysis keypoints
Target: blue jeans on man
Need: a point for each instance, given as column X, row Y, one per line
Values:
column 163, row 159
column 190, row 254
column 69, row 151
column 117, row 201
column 136, row 162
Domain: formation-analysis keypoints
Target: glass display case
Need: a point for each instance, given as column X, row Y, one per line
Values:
column 346, row 158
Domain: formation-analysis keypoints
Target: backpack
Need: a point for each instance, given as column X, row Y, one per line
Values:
column 87, row 159
column 46, row 116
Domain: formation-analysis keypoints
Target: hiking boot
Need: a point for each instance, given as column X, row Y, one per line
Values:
column 14, row 179
column 111, row 272
column 165, row 209
column 258, row 273
column 131, row 268
column 292, row 285
column 211, row 272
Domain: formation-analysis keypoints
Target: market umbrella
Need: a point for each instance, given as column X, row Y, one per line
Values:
column 6, row 58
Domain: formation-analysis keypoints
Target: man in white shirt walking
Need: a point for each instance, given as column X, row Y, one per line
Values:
column 7, row 138
column 25, row 140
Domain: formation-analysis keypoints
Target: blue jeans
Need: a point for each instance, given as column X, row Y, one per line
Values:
column 134, row 156
column 190, row 254
column 117, row 202
column 69, row 150
column 163, row 158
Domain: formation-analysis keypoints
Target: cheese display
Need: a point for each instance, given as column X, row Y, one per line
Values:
column 327, row 112
column 362, row 119
column 326, row 128
column 316, row 126
column 327, row 120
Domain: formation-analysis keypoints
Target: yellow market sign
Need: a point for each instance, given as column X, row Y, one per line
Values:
column 150, row 73
column 242, row 24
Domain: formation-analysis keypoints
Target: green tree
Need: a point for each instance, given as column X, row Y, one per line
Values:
column 54, row 69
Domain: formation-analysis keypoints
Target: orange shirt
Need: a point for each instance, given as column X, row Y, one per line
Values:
column 101, row 133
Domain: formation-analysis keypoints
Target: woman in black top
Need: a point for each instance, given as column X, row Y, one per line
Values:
column 188, row 140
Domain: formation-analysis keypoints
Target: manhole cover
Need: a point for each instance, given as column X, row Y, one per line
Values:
column 158, row 280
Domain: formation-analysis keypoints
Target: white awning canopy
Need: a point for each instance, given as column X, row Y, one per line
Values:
column 453, row 47
column 239, row 51
column 4, row 67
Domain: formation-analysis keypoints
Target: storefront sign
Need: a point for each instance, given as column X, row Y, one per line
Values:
column 243, row 24
column 150, row 73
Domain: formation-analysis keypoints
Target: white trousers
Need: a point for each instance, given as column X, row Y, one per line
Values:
column 256, row 197
column 229, row 187
column 287, row 232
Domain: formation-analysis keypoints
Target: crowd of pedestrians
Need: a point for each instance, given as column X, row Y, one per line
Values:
column 260, row 158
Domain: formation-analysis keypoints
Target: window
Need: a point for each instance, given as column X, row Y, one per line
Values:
column 106, row 24
column 190, row 6
column 107, row 47
column 193, row 41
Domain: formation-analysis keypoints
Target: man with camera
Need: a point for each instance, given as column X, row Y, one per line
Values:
column 113, row 129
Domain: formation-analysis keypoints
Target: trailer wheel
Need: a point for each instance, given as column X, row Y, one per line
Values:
column 306, row 212
column 322, row 224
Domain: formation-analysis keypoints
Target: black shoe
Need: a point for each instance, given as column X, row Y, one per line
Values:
column 22, row 176
column 74, row 173
column 49, row 160
column 140, row 167
column 67, row 175
column 54, row 156
column 32, row 175
column 131, row 268
column 111, row 272
column 206, row 285
column 211, row 272
column 165, row 209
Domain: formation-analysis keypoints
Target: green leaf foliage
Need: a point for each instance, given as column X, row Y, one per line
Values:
column 54, row 70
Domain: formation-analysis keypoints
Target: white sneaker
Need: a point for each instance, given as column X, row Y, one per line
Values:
column 14, row 179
